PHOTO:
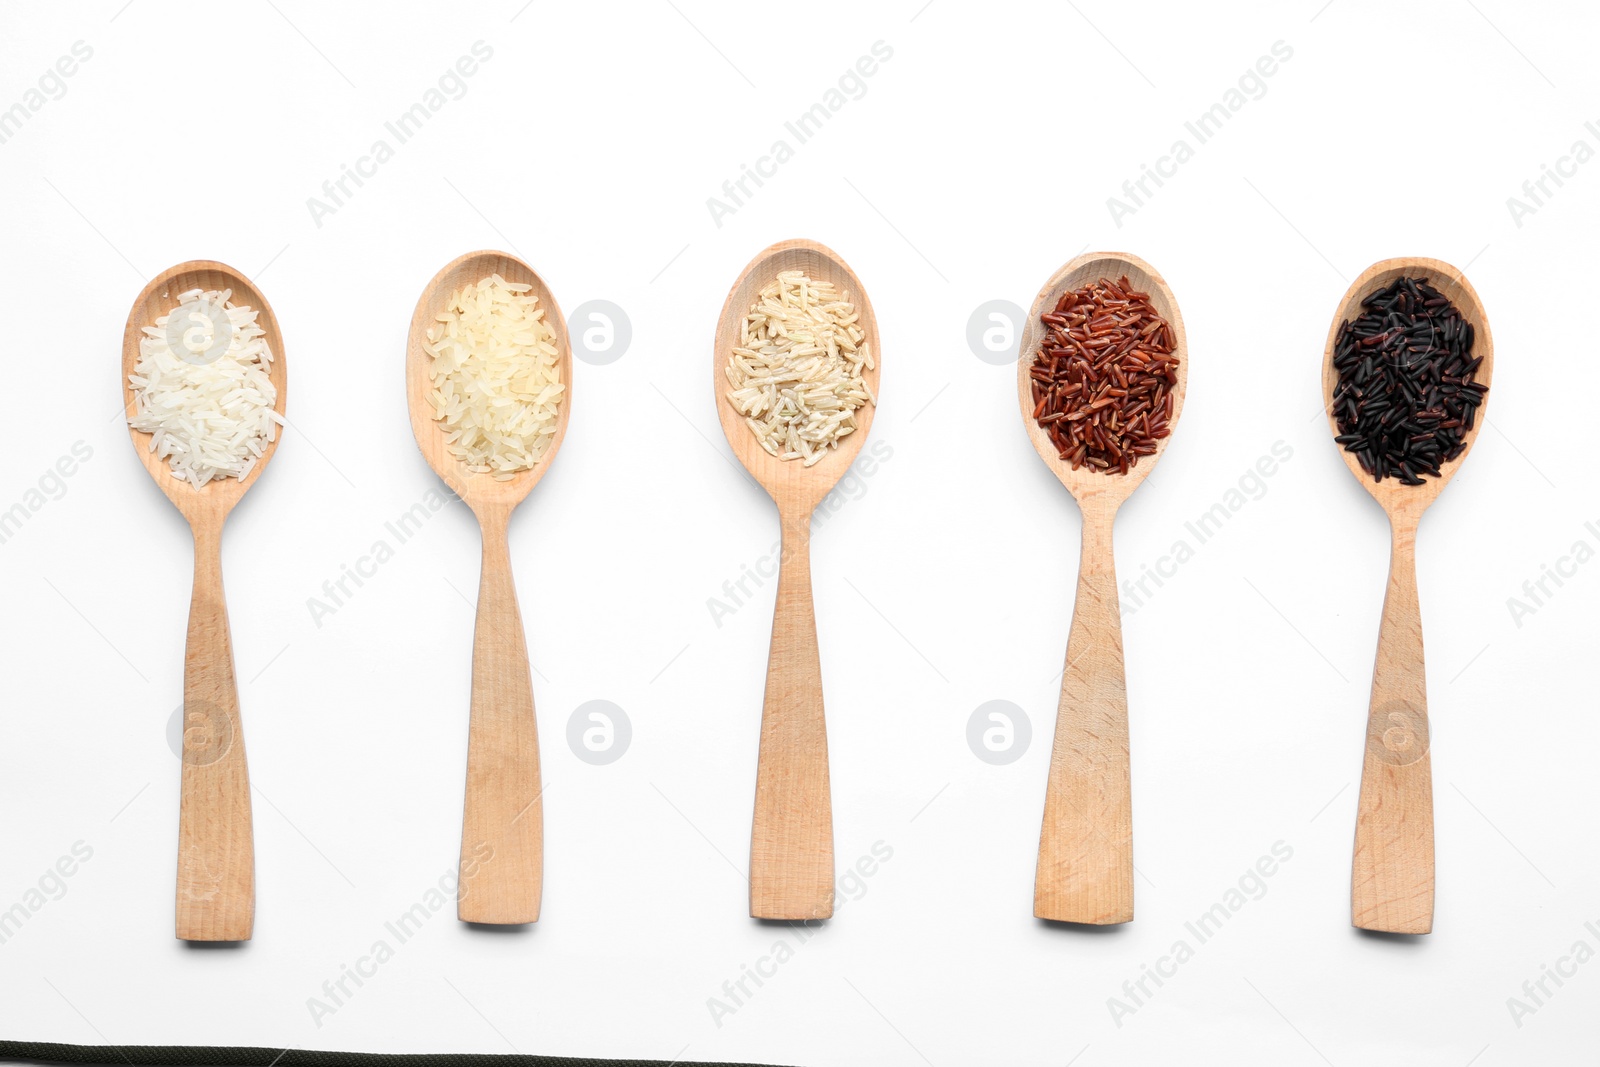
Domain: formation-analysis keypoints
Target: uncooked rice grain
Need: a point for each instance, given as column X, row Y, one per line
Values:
column 208, row 409
column 1406, row 398
column 496, row 376
column 797, row 373
column 1104, row 376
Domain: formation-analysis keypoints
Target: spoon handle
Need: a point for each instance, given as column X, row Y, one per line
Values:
column 216, row 852
column 1391, row 884
column 1085, row 872
column 502, row 836
column 791, row 839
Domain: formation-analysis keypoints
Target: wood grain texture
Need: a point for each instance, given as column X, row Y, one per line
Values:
column 216, row 856
column 1392, row 874
column 791, row 839
column 502, row 839
column 1391, row 885
column 1085, row 871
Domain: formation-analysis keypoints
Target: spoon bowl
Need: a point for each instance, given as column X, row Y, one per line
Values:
column 502, row 842
column 478, row 490
column 791, row 839
column 160, row 296
column 216, row 852
column 1085, row 869
column 1391, row 882
column 788, row 481
column 1390, row 494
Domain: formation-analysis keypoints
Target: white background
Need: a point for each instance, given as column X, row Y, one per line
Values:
column 979, row 159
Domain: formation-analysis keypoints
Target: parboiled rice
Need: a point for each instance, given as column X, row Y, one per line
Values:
column 496, row 376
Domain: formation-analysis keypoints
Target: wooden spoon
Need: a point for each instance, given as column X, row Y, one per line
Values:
column 791, row 839
column 502, row 840
column 1391, row 884
column 216, row 853
column 1085, row 872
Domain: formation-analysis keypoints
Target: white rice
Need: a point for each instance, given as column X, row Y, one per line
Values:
column 202, row 388
column 796, row 374
column 496, row 377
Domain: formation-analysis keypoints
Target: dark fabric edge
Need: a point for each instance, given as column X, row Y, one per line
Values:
column 248, row 1056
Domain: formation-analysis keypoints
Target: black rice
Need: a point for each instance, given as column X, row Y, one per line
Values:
column 1405, row 398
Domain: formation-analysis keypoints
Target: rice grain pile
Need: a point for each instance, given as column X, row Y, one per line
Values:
column 797, row 373
column 1104, row 376
column 1406, row 397
column 496, row 376
column 202, row 388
